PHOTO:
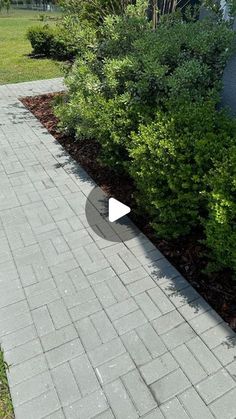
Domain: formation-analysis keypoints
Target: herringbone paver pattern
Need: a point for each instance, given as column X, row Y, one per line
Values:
column 93, row 329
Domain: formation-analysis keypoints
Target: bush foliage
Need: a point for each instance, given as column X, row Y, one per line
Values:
column 65, row 41
column 95, row 10
column 171, row 163
column 221, row 222
column 150, row 98
column 41, row 38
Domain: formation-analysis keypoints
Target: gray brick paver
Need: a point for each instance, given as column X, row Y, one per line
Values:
column 40, row 287
column 158, row 368
column 215, row 386
column 189, row 364
column 116, row 311
column 27, row 369
column 140, row 286
column 103, row 326
column 129, row 322
column 139, row 392
column 31, row 388
column 133, row 275
column 15, row 323
column 160, row 299
column 106, row 415
column 147, row 306
column 88, row 334
column 84, row 296
column 170, row 385
column 104, row 294
column 114, row 368
column 205, row 321
column 58, row 337
column 87, row 407
column 194, row 405
column 151, row 340
column 85, row 309
column 42, row 321
column 136, row 348
column 85, row 375
column 65, row 384
column 167, row 322
column 131, row 261
column 180, row 298
column 120, row 401
column 13, row 310
column 100, row 275
column 59, row 314
column 91, row 328
column 174, row 410
column 217, row 335
column 23, row 352
column 78, row 278
column 226, row 351
column 18, row 337
column 178, row 335
column 65, row 285
column 117, row 264
column 64, row 353
column 225, row 406
column 46, row 297
column 231, row 368
column 106, row 352
column 56, row 415
column 155, row 414
column 41, row 406
column 189, row 311
column 118, row 289
column 204, row 356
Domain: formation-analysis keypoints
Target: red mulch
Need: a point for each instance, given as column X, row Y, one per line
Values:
column 187, row 254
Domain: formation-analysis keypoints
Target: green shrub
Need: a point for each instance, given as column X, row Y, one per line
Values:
column 221, row 223
column 132, row 72
column 170, row 162
column 64, row 41
column 96, row 10
column 72, row 38
column 118, row 34
column 41, row 38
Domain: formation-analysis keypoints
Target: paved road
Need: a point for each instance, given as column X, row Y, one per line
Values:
column 93, row 329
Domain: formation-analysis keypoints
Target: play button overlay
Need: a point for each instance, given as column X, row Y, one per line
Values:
column 116, row 210
column 107, row 217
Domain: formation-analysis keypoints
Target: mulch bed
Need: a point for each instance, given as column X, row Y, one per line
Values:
column 187, row 254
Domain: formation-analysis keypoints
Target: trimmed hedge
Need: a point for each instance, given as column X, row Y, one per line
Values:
column 62, row 42
column 41, row 38
column 171, row 161
column 221, row 222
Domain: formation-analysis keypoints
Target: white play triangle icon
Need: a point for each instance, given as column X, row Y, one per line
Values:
column 117, row 210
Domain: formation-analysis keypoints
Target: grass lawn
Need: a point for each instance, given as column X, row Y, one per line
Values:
column 6, row 409
column 15, row 64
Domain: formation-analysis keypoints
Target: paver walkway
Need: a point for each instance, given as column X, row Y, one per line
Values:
column 92, row 328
